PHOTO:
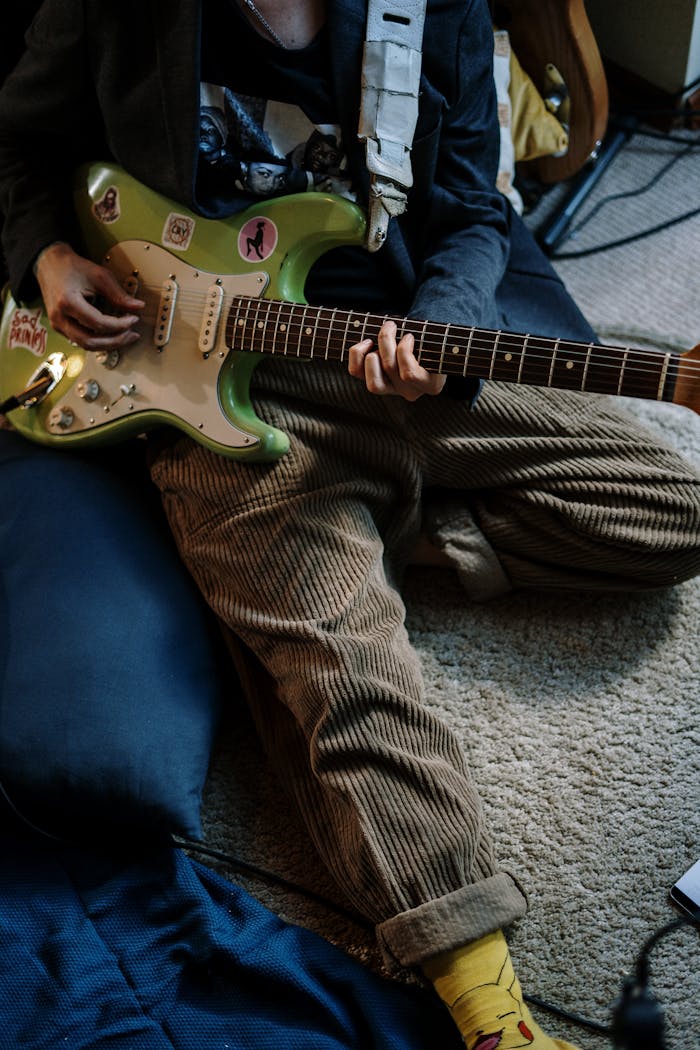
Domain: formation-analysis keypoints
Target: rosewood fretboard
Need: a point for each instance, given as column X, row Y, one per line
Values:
column 268, row 326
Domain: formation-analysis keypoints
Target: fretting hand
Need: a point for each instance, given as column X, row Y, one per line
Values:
column 71, row 286
column 392, row 368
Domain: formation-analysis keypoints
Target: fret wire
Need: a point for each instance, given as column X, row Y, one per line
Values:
column 266, row 331
column 314, row 333
column 330, row 329
column 493, row 354
column 346, row 340
column 467, row 352
column 421, row 346
column 586, row 365
column 247, row 320
column 523, row 352
column 441, row 366
column 257, row 324
column 277, row 324
column 236, row 320
column 303, row 325
column 622, row 370
column 647, row 362
column 266, row 334
column 287, row 328
column 554, row 358
column 662, row 379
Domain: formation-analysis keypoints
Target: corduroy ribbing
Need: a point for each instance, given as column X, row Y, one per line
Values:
column 302, row 558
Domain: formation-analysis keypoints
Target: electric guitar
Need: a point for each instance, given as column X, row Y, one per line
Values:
column 219, row 294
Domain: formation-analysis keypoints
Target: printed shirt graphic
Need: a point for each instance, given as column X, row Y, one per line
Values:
column 269, row 148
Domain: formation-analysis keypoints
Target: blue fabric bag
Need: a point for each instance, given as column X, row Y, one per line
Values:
column 157, row 952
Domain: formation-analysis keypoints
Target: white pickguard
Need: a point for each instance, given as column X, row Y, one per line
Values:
column 179, row 377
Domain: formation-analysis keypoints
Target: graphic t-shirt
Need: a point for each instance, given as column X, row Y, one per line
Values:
column 268, row 127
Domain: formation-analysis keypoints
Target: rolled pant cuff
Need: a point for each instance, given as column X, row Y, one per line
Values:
column 467, row 914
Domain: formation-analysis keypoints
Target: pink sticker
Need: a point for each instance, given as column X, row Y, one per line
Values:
column 107, row 209
column 257, row 239
column 177, row 231
column 27, row 332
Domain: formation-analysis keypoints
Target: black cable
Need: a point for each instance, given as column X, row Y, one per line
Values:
column 638, row 1018
column 272, row 878
column 642, row 968
column 687, row 87
column 671, row 111
column 35, row 390
column 179, row 842
column 632, row 238
column 667, row 136
column 24, row 819
column 628, row 240
column 275, row 879
column 637, row 192
column 567, row 1015
column 622, row 121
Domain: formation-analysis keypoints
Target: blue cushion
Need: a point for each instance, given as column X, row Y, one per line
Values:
column 109, row 691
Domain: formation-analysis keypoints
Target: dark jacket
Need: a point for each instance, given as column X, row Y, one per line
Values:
column 103, row 79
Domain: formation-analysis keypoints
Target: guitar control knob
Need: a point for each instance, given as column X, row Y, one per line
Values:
column 61, row 417
column 89, row 390
column 108, row 358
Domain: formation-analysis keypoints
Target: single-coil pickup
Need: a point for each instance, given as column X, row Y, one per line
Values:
column 166, row 310
column 211, row 317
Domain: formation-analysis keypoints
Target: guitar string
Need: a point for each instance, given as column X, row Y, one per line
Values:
column 650, row 366
column 478, row 340
column 638, row 361
column 484, row 341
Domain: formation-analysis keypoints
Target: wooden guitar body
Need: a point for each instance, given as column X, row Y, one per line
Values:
column 558, row 31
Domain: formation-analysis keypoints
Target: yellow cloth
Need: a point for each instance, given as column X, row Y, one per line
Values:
column 535, row 131
column 478, row 985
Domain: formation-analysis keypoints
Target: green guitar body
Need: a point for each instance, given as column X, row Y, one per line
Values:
column 181, row 373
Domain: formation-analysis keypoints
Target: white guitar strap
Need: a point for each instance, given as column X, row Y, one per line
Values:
column 389, row 109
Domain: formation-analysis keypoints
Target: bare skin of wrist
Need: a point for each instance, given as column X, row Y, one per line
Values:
column 84, row 302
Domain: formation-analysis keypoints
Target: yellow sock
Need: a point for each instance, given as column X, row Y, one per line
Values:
column 478, row 985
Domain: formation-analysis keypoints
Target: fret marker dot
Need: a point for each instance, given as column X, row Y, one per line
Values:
column 455, row 349
column 307, row 331
column 508, row 357
column 260, row 324
column 283, row 328
column 241, row 322
column 356, row 324
column 569, row 364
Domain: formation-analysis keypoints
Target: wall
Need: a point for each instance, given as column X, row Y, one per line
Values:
column 658, row 40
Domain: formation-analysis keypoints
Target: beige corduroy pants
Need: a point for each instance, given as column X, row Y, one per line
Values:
column 302, row 559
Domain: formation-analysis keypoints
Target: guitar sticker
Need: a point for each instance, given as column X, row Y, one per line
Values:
column 27, row 332
column 177, row 231
column 257, row 239
column 108, row 209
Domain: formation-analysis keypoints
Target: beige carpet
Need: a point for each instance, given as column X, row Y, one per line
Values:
column 579, row 713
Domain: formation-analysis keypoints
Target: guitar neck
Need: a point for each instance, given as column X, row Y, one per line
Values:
column 322, row 333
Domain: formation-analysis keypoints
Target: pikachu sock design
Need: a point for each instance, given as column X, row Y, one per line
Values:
column 478, row 985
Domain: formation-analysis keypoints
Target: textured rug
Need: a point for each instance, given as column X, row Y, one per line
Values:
column 579, row 713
